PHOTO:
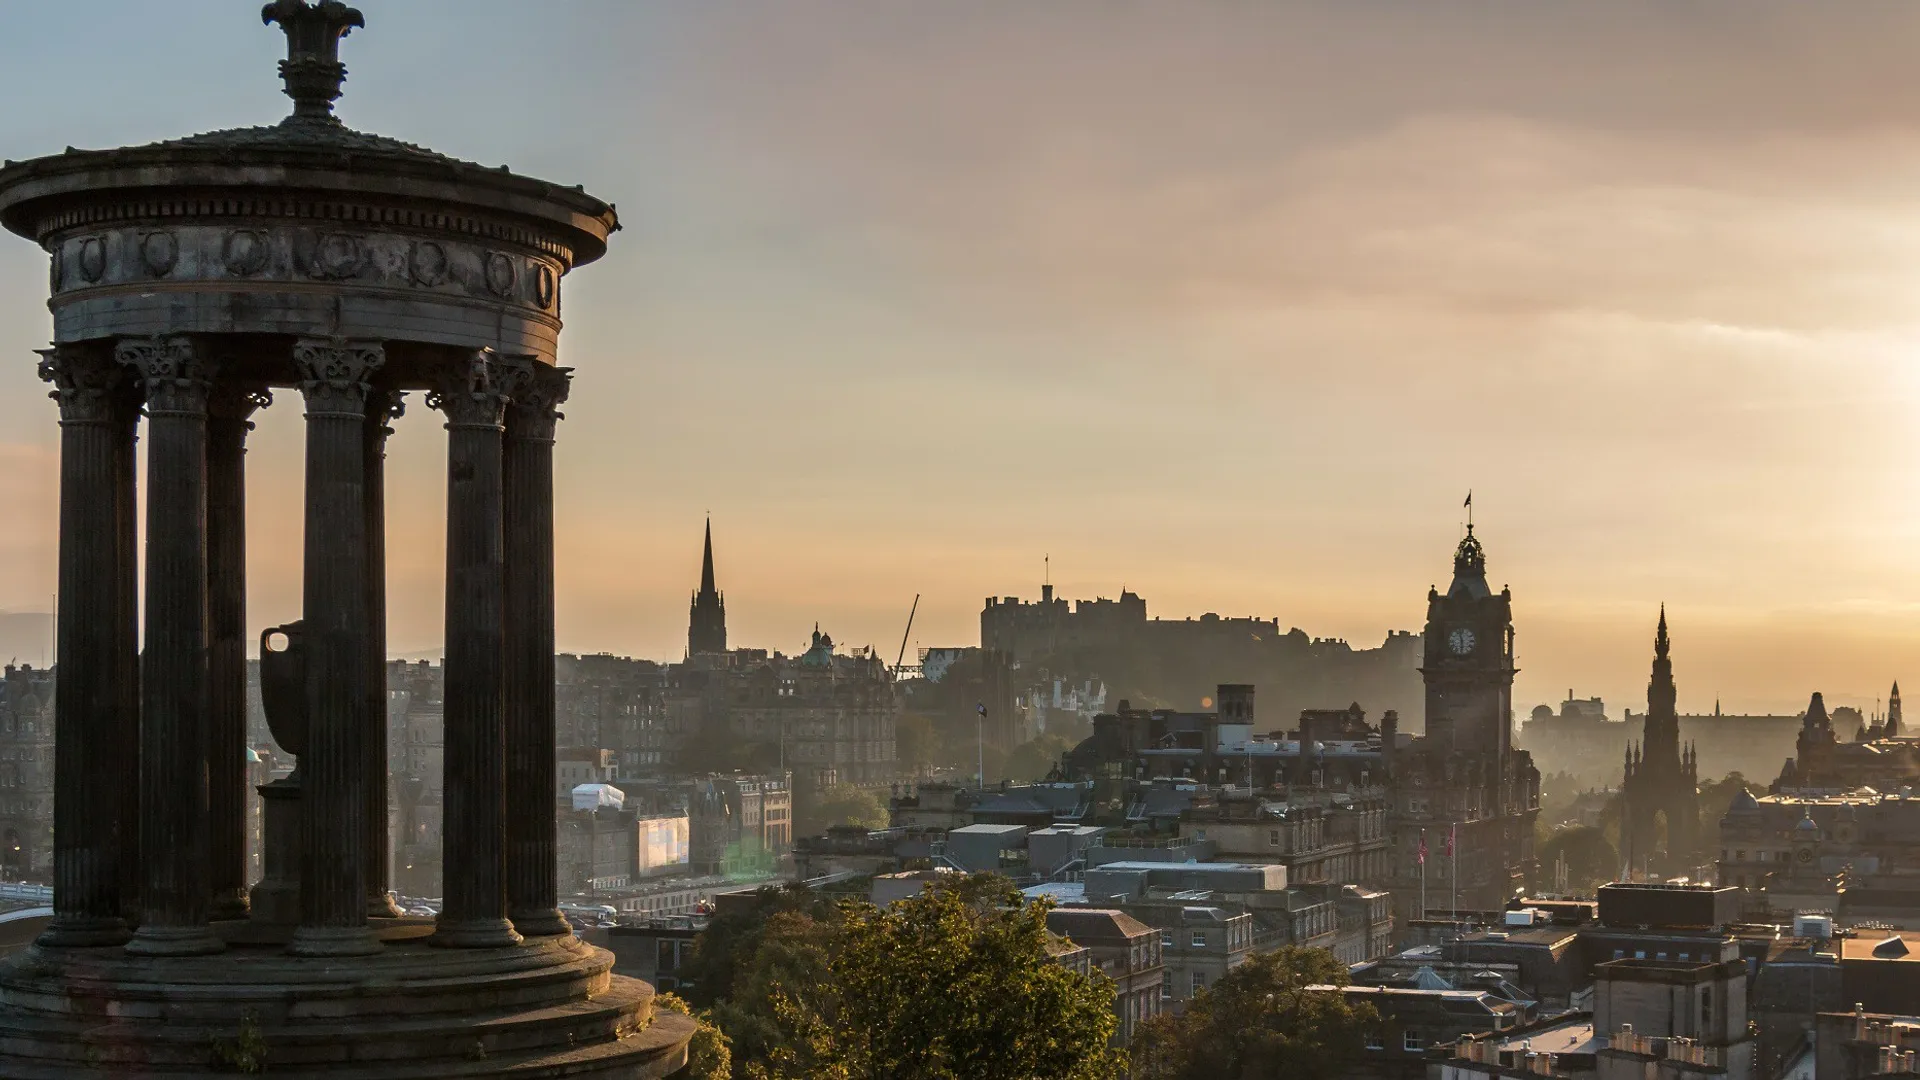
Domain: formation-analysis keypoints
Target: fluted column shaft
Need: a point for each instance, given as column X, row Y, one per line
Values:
column 382, row 406
column 532, row 887
column 173, row 670
column 88, row 791
column 227, row 427
column 335, row 380
column 473, row 396
column 125, row 752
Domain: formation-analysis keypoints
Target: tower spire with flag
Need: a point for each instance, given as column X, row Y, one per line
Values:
column 1468, row 506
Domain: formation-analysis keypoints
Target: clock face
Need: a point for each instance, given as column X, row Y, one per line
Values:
column 1461, row 641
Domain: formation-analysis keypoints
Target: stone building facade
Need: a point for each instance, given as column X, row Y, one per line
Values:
column 1462, row 785
column 26, row 773
column 1856, row 854
column 832, row 714
column 1127, row 951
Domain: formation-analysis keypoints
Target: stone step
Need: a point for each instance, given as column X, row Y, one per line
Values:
column 292, row 991
column 476, row 1035
column 650, row 1054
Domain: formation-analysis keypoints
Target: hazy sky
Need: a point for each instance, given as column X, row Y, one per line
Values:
column 1228, row 303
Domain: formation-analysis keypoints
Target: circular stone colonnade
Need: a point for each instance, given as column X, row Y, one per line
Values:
column 191, row 280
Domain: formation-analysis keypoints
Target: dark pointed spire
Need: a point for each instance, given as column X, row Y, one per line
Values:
column 707, row 620
column 1892, row 729
column 706, row 562
column 1660, row 642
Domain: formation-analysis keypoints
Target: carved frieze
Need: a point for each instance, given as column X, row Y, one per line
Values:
column 159, row 251
column 91, row 257
column 244, row 252
column 373, row 260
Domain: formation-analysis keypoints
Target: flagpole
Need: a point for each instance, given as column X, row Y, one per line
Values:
column 1423, row 874
column 1453, row 848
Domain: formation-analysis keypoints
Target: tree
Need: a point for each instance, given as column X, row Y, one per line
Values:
column 1034, row 759
column 731, row 942
column 1591, row 860
column 1715, row 797
column 954, row 983
column 708, row 1054
column 842, row 804
column 915, row 744
column 1260, row 1020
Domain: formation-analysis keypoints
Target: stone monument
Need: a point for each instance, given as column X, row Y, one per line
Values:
column 191, row 280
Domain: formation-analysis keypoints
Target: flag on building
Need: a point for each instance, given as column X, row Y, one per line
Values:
column 1450, row 830
column 1423, row 847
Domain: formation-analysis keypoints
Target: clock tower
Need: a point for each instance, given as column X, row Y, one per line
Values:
column 1468, row 663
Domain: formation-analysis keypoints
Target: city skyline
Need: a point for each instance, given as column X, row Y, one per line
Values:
column 908, row 320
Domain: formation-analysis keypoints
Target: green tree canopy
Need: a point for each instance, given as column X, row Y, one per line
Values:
column 916, row 746
column 1034, row 759
column 1260, row 1020
column 1591, row 859
column 841, row 804
column 954, row 984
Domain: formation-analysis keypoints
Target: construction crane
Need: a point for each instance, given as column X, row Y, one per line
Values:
column 902, row 658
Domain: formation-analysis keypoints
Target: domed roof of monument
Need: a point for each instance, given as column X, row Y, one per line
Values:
column 1743, row 803
column 1807, row 826
column 311, row 150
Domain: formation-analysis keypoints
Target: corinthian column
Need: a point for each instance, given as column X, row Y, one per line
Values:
column 88, row 788
column 335, row 378
column 227, row 427
column 173, row 671
column 472, row 394
column 532, row 893
column 382, row 406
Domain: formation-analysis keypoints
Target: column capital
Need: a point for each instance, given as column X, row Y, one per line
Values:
column 89, row 386
column 385, row 405
column 538, row 392
column 177, row 375
column 237, row 401
column 473, row 392
column 336, row 373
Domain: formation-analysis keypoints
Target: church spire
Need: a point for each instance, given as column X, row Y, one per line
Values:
column 706, row 566
column 707, row 617
column 1660, row 642
column 1893, row 712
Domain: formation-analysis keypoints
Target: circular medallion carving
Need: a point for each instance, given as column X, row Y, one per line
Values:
column 93, row 258
column 500, row 275
column 543, row 285
column 428, row 262
column 338, row 256
column 158, row 252
column 245, row 252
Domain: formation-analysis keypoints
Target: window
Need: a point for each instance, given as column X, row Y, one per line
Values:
column 1706, row 1007
column 1166, row 986
column 1273, row 837
column 1411, row 1041
column 1199, row 981
column 1374, row 1041
column 1199, row 939
column 1166, row 939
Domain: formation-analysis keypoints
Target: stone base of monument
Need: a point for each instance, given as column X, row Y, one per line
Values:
column 549, row 1007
